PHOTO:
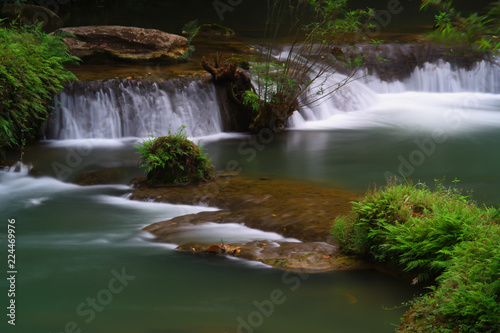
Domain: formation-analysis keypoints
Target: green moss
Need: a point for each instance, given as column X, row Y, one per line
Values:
column 243, row 63
column 216, row 28
column 439, row 236
column 174, row 159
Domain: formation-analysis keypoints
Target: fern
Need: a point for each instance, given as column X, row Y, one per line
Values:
column 31, row 74
column 441, row 237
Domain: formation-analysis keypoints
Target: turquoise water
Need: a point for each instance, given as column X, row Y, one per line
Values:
column 72, row 242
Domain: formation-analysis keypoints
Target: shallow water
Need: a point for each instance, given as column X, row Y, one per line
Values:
column 72, row 242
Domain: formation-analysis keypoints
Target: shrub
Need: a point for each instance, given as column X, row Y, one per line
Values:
column 174, row 159
column 322, row 35
column 439, row 236
column 467, row 297
column 31, row 73
column 477, row 31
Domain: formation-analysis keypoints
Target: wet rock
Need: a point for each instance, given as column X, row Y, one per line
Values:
column 100, row 177
column 215, row 31
column 310, row 257
column 17, row 166
column 297, row 210
column 125, row 43
column 301, row 211
column 397, row 61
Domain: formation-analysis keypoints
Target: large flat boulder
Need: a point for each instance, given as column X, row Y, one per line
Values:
column 125, row 43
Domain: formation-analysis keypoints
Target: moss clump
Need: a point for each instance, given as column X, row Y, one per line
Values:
column 439, row 236
column 216, row 29
column 243, row 63
column 174, row 159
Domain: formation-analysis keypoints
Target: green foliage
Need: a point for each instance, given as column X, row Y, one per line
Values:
column 319, row 46
column 467, row 297
column 31, row 73
column 377, row 41
column 241, row 62
column 477, row 32
column 252, row 99
column 174, row 159
column 438, row 235
column 190, row 30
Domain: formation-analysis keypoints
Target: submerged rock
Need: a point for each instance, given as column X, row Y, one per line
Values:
column 100, row 177
column 310, row 257
column 125, row 43
column 301, row 211
column 291, row 209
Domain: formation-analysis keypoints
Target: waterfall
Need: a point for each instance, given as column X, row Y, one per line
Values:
column 383, row 92
column 122, row 108
column 441, row 76
column 351, row 97
column 19, row 167
column 434, row 96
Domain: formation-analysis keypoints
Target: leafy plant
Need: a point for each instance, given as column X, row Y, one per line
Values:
column 319, row 47
column 174, row 159
column 31, row 73
column 440, row 236
column 377, row 41
column 190, row 30
column 252, row 99
column 476, row 32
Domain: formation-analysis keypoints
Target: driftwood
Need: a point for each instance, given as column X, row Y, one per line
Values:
column 219, row 70
column 231, row 83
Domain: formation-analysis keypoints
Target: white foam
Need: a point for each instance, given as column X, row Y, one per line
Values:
column 35, row 202
column 18, row 188
column 88, row 143
column 450, row 113
column 211, row 232
column 162, row 211
column 440, row 77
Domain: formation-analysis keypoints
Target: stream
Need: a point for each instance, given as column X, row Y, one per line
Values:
column 84, row 264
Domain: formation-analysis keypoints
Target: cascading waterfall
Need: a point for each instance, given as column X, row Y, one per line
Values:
column 19, row 167
column 351, row 97
column 116, row 109
column 120, row 108
column 441, row 77
column 428, row 98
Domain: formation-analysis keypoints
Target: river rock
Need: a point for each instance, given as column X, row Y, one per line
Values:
column 125, row 43
column 100, row 177
column 215, row 31
column 294, row 210
column 31, row 15
column 309, row 257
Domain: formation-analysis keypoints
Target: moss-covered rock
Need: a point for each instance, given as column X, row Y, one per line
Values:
column 174, row 159
column 127, row 44
column 215, row 30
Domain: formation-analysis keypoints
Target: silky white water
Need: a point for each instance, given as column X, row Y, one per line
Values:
column 117, row 109
column 435, row 97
